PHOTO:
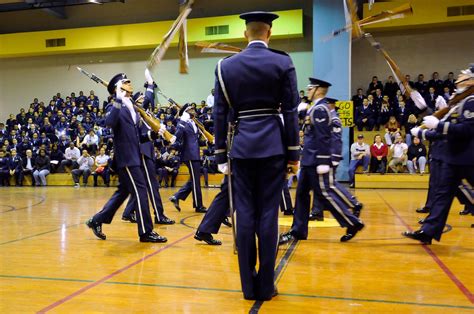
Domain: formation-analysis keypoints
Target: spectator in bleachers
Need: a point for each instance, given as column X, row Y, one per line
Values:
column 411, row 123
column 446, row 93
column 71, row 156
column 28, row 166
column 392, row 128
column 399, row 154
column 430, row 97
column 90, row 142
column 378, row 98
column 3, row 131
column 374, row 85
column 4, row 169
column 449, row 82
column 409, row 81
column 42, row 168
column 436, row 83
column 63, row 143
column 390, row 88
column 378, row 153
column 358, row 98
column 56, row 156
column 160, row 167
column 210, row 99
column 416, row 156
column 360, row 156
column 85, row 163
column 421, row 85
column 15, row 168
column 102, row 169
column 384, row 113
column 365, row 116
column 172, row 165
column 402, row 113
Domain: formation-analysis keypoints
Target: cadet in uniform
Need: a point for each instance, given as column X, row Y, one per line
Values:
column 187, row 139
column 254, row 83
column 319, row 158
column 123, row 120
column 148, row 160
column 457, row 161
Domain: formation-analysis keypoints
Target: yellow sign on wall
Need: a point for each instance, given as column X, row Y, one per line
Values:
column 346, row 112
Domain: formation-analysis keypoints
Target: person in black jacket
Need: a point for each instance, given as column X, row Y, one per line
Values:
column 42, row 168
column 416, row 156
column 56, row 157
column 15, row 168
column 4, row 164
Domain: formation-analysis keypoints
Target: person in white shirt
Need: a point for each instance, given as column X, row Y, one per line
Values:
column 91, row 141
column 210, row 99
column 102, row 167
column 360, row 155
column 28, row 165
column 399, row 153
column 71, row 155
column 85, row 163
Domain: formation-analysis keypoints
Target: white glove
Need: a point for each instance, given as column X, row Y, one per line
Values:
column 431, row 122
column 419, row 101
column 415, row 131
column 149, row 78
column 119, row 92
column 162, row 129
column 335, row 163
column 322, row 169
column 223, row 168
column 185, row 116
column 440, row 103
column 172, row 140
column 302, row 106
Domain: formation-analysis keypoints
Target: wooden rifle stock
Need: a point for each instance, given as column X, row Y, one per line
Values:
column 154, row 123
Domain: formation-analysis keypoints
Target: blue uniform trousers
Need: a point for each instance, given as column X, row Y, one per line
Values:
column 193, row 185
column 257, row 185
column 132, row 181
column 447, row 185
column 218, row 210
column 331, row 197
column 148, row 168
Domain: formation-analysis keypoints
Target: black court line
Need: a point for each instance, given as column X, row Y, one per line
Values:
column 281, row 266
column 13, row 208
column 183, row 221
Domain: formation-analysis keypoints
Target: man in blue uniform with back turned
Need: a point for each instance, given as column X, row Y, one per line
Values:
column 254, row 84
column 457, row 160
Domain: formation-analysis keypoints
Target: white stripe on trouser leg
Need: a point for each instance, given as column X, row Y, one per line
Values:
column 285, row 208
column 466, row 193
column 151, row 188
column 329, row 198
column 339, row 192
column 194, row 182
column 138, row 199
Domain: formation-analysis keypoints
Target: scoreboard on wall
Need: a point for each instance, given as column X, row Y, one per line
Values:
column 345, row 109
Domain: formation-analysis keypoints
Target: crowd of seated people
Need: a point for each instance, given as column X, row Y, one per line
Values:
column 70, row 135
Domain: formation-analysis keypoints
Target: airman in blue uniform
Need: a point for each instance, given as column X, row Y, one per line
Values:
column 123, row 119
column 255, row 83
column 321, row 154
column 457, row 161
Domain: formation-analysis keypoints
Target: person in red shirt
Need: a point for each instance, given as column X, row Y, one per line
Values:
column 378, row 155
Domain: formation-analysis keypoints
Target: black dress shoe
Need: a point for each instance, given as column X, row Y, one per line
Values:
column 421, row 221
column 288, row 212
column 286, row 237
column 153, row 237
column 132, row 218
column 352, row 231
column 163, row 220
column 175, row 202
column 317, row 217
column 201, row 209
column 423, row 210
column 357, row 209
column 227, row 222
column 466, row 211
column 418, row 235
column 96, row 228
column 206, row 237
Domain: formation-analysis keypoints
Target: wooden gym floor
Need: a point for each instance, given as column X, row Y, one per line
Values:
column 51, row 262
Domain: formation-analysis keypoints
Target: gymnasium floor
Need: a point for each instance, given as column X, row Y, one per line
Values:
column 51, row 262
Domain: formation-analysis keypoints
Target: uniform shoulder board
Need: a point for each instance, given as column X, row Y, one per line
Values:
column 279, row 52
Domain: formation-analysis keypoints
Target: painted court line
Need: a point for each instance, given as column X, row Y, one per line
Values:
column 435, row 257
column 295, row 295
column 38, row 234
column 115, row 273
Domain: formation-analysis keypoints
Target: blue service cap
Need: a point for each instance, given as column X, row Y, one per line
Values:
column 259, row 16
column 469, row 71
column 136, row 96
column 319, row 83
column 184, row 108
column 113, row 82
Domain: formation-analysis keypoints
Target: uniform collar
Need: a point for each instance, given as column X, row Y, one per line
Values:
column 257, row 43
